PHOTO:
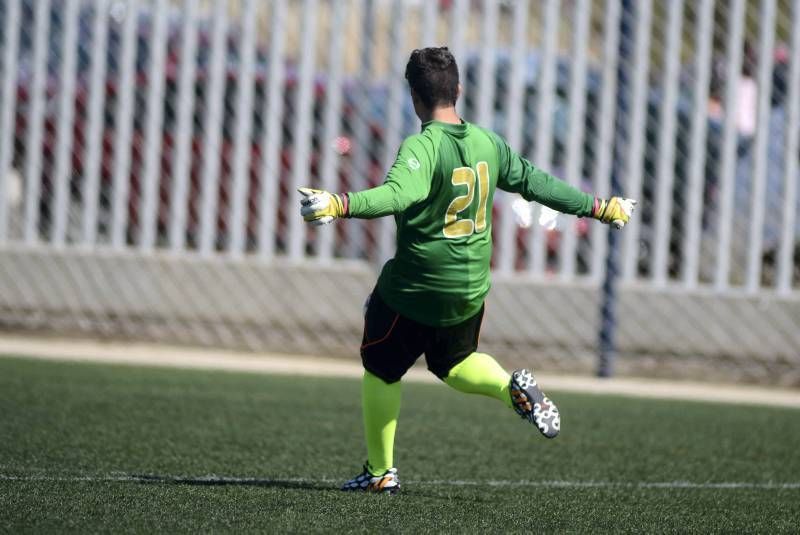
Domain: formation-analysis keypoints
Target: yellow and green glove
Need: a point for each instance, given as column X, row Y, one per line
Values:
column 616, row 210
column 320, row 207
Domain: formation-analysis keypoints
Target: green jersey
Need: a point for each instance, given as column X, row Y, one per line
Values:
column 440, row 190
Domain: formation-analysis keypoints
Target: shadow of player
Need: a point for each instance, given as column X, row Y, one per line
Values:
column 220, row 481
column 288, row 483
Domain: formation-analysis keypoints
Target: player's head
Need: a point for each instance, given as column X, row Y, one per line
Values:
column 432, row 75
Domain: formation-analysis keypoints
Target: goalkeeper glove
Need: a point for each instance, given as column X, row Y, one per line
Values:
column 320, row 207
column 616, row 210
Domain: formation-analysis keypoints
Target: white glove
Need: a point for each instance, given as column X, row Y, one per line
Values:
column 616, row 210
column 320, row 207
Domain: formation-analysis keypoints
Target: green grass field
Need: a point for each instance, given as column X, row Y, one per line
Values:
column 111, row 448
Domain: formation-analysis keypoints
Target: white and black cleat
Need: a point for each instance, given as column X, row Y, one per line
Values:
column 386, row 483
column 531, row 403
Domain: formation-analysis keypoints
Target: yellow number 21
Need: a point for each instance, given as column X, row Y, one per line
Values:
column 465, row 176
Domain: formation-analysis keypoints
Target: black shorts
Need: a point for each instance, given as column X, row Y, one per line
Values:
column 392, row 343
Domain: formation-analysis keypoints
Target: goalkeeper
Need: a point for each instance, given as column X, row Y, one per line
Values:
column 429, row 297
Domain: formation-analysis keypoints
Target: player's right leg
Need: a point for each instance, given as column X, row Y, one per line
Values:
column 532, row 404
column 453, row 358
column 480, row 374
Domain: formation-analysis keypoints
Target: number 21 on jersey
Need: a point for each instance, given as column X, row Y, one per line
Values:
column 465, row 176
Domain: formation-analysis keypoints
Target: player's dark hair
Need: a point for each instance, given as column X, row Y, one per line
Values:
column 432, row 74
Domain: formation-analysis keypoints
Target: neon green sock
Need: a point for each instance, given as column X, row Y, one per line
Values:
column 380, row 403
column 479, row 373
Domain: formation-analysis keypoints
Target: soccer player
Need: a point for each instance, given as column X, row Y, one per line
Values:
column 429, row 297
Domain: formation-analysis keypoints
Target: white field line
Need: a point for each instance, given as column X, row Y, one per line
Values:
column 225, row 480
column 140, row 354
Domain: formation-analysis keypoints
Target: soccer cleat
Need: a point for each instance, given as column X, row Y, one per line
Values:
column 531, row 403
column 386, row 483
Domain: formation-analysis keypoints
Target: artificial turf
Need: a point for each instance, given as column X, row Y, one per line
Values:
column 87, row 447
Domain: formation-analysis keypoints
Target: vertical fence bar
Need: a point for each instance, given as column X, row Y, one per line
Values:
column 394, row 120
column 459, row 21
column 515, row 113
column 94, row 137
column 357, row 229
column 790, row 166
column 33, row 141
column 546, row 89
column 758, row 199
column 608, row 304
column 124, row 125
column 66, row 113
column 8, row 99
column 184, row 129
column 331, row 126
column 273, row 132
column 304, row 107
column 577, row 121
column 728, row 166
column 209, row 193
column 154, row 127
column 697, row 145
column 237, row 217
column 665, row 167
column 637, row 135
column 430, row 18
column 486, row 74
column 605, row 137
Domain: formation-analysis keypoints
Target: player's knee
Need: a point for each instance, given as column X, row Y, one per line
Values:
column 387, row 376
column 444, row 369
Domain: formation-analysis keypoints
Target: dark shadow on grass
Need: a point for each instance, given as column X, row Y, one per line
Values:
column 212, row 481
column 298, row 484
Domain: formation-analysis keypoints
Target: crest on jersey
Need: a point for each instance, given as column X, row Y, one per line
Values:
column 413, row 163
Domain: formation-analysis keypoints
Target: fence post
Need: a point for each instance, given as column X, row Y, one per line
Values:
column 608, row 324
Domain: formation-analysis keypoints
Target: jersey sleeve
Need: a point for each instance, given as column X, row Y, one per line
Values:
column 407, row 183
column 518, row 175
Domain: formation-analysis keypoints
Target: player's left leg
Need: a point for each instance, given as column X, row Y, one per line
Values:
column 391, row 345
column 380, row 402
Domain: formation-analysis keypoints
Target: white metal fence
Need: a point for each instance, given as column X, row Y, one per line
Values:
column 179, row 130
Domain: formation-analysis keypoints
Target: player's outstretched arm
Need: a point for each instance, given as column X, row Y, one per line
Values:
column 516, row 174
column 407, row 183
column 320, row 207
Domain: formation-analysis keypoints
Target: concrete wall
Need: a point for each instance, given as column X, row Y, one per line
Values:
column 306, row 308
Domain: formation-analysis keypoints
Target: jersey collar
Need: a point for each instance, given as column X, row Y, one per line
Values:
column 455, row 129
